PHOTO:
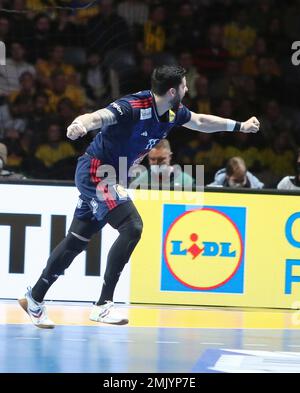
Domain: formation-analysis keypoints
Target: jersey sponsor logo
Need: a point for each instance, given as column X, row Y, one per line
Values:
column 151, row 143
column 146, row 113
column 172, row 116
column 117, row 107
column 203, row 249
column 145, row 133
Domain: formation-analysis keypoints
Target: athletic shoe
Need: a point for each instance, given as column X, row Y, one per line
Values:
column 106, row 314
column 36, row 311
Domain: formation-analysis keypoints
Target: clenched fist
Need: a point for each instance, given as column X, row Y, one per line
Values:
column 251, row 125
column 76, row 130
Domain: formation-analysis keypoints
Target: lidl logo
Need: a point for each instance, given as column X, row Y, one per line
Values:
column 203, row 248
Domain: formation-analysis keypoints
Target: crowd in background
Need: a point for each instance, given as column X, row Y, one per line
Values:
column 63, row 62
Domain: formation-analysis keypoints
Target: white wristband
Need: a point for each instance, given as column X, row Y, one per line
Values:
column 230, row 124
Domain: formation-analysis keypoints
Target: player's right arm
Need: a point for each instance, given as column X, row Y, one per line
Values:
column 90, row 121
column 117, row 112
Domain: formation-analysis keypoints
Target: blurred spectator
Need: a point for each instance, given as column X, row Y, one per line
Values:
column 39, row 118
column 65, row 31
column 155, row 34
column 4, row 173
column 202, row 102
column 161, row 172
column 95, row 78
column 211, row 58
column 230, row 84
column 15, row 154
column 134, row 12
column 276, row 38
column 27, row 88
column 273, row 121
column 186, row 61
column 4, row 30
column 291, row 20
column 236, row 175
column 268, row 81
column 244, row 145
column 249, row 104
column 209, row 153
column 278, row 158
column 185, row 34
column 107, row 30
column 144, row 72
column 55, row 149
column 85, row 10
column 292, row 182
column 66, row 112
column 41, row 38
column 19, row 21
column 239, row 36
column 250, row 63
column 261, row 14
column 45, row 68
column 5, row 116
column 60, row 89
column 20, row 110
column 15, row 66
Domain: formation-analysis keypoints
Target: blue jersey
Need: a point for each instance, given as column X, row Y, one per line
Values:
column 137, row 131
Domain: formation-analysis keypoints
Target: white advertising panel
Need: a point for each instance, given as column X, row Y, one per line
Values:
column 32, row 219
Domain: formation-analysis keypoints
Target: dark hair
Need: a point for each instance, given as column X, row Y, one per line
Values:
column 165, row 77
column 233, row 164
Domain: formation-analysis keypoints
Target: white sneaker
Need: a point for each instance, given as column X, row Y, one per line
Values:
column 106, row 314
column 36, row 311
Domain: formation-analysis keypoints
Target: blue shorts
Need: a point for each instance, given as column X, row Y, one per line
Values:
column 96, row 199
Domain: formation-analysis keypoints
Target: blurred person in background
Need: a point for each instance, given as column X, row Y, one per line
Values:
column 236, row 175
column 60, row 88
column 239, row 36
column 4, row 173
column 292, row 182
column 155, row 33
column 55, row 63
column 161, row 171
column 15, row 66
column 202, row 100
column 95, row 78
column 135, row 13
column 186, row 31
column 55, row 149
column 186, row 61
column 212, row 57
column 40, row 37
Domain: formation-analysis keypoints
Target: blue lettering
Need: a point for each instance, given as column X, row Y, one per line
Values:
column 176, row 248
column 289, row 278
column 211, row 249
column 225, row 250
column 288, row 230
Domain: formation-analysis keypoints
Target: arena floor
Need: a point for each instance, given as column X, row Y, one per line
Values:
column 158, row 339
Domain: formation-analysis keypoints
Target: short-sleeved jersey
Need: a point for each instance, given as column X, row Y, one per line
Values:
column 137, row 131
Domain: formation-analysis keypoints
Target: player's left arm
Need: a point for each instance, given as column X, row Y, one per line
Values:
column 210, row 123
